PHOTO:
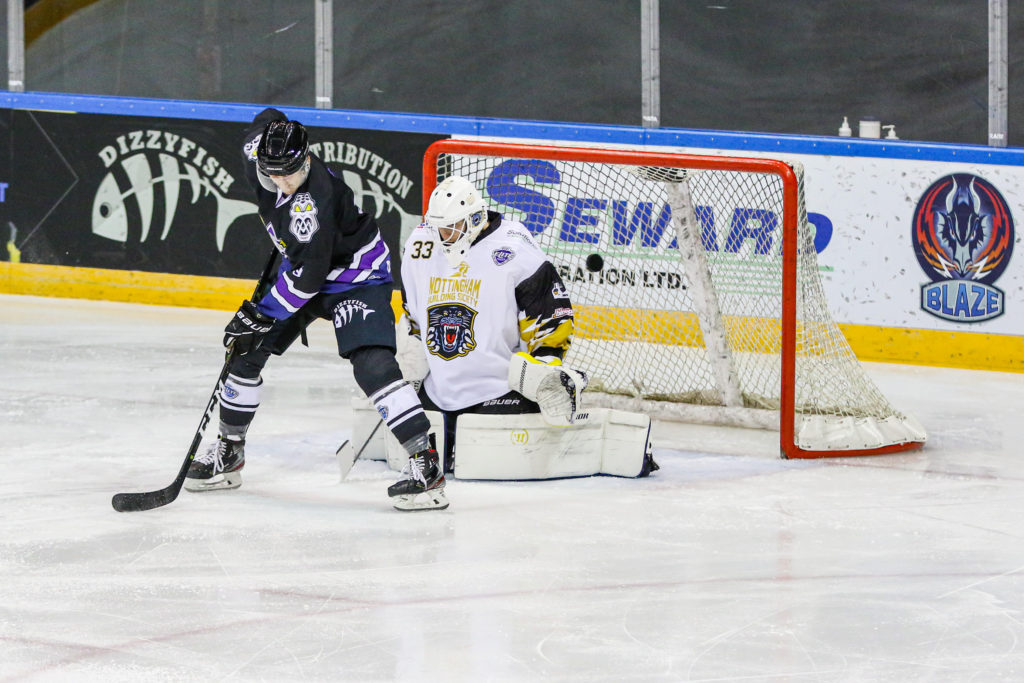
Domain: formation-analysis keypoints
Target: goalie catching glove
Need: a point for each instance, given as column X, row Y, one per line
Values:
column 556, row 388
column 246, row 330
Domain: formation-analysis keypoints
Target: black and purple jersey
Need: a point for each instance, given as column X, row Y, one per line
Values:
column 328, row 245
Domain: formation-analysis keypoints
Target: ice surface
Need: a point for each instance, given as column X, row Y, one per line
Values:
column 728, row 565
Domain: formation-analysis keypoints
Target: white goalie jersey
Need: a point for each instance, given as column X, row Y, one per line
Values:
column 506, row 297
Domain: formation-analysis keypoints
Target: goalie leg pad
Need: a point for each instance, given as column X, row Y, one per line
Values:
column 627, row 444
column 525, row 447
column 364, row 419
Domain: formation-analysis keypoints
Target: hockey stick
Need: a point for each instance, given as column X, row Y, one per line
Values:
column 345, row 459
column 137, row 502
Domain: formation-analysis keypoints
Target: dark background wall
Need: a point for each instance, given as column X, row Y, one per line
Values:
column 796, row 66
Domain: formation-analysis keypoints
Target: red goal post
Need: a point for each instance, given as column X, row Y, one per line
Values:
column 719, row 334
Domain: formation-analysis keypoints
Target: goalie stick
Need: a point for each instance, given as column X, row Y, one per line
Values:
column 345, row 458
column 148, row 500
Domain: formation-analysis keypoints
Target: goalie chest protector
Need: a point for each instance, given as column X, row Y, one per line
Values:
column 467, row 316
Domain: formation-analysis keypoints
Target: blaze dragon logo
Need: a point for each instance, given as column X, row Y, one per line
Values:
column 450, row 330
column 963, row 238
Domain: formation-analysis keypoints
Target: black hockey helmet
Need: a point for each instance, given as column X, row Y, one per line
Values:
column 283, row 148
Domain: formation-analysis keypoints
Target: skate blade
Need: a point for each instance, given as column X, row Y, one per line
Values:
column 219, row 482
column 428, row 500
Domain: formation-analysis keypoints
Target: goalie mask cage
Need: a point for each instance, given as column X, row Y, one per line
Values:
column 695, row 288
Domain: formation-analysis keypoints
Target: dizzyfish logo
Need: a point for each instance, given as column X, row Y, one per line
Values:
column 346, row 310
column 149, row 166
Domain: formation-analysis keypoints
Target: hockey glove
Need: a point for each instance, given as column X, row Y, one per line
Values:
column 247, row 329
column 556, row 388
column 412, row 360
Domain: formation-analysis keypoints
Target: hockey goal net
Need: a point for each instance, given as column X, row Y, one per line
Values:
column 695, row 285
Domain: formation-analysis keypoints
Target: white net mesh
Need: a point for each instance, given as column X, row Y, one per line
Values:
column 676, row 280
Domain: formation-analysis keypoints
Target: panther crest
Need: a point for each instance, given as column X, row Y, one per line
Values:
column 450, row 330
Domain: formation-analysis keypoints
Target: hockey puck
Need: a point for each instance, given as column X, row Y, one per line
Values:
column 595, row 263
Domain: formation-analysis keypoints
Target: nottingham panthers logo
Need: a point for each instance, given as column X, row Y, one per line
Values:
column 450, row 330
column 303, row 213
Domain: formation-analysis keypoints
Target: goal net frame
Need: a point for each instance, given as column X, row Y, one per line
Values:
column 792, row 202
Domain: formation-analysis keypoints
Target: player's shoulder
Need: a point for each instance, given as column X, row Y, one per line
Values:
column 515, row 230
column 419, row 233
column 516, row 239
column 320, row 189
column 415, row 244
column 321, row 179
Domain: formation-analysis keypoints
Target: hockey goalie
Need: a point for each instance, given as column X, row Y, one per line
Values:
column 489, row 323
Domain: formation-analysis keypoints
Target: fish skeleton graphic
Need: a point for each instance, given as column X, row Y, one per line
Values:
column 110, row 217
column 382, row 201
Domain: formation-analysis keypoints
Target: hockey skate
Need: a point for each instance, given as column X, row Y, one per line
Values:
column 421, row 486
column 220, row 467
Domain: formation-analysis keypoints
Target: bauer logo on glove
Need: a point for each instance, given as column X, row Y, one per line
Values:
column 245, row 333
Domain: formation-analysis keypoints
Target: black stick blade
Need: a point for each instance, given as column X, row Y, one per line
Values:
column 138, row 502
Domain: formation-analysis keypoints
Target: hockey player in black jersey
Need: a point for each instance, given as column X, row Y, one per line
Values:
column 334, row 265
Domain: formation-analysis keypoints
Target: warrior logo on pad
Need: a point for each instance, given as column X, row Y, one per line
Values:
column 450, row 330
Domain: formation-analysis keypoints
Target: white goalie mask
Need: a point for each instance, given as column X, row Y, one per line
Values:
column 457, row 213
